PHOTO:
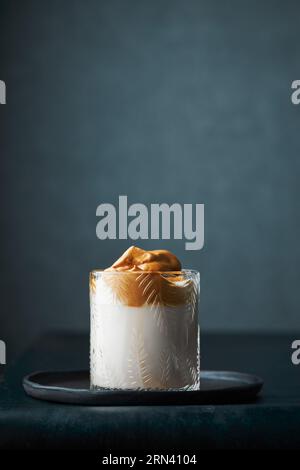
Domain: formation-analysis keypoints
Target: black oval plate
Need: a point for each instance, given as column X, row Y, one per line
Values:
column 216, row 387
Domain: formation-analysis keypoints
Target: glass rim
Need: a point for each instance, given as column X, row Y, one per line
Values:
column 182, row 271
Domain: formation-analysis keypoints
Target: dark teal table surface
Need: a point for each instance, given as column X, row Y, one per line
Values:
column 272, row 421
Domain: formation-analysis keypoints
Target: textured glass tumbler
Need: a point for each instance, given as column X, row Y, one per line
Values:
column 144, row 331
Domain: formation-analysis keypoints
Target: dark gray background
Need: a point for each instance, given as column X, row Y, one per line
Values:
column 165, row 101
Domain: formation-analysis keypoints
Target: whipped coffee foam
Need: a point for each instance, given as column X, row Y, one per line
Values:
column 135, row 259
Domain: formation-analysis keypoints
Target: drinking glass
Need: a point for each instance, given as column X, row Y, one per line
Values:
column 144, row 331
